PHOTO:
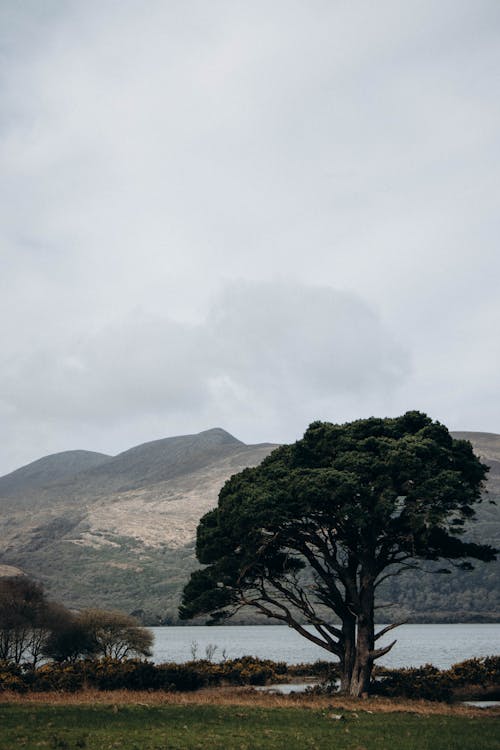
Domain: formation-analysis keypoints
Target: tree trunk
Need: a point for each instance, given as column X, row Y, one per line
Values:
column 349, row 657
column 357, row 669
column 363, row 664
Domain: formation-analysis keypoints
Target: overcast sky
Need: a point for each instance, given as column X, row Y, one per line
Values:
column 246, row 214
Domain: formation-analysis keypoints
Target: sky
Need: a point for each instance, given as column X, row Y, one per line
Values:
column 248, row 215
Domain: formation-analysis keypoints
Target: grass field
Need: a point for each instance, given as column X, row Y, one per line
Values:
column 208, row 725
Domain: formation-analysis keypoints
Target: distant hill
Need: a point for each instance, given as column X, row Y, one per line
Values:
column 119, row 531
column 49, row 471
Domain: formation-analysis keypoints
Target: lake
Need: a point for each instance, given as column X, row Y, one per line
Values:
column 441, row 645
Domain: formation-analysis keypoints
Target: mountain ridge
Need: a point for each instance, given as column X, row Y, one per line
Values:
column 50, row 469
column 47, row 470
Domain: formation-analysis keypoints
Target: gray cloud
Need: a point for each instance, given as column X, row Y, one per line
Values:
column 308, row 340
column 153, row 154
column 262, row 350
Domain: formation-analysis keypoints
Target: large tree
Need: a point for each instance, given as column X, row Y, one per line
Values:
column 311, row 532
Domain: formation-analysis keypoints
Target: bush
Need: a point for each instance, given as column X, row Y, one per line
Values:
column 114, row 674
column 430, row 683
column 102, row 674
column 480, row 671
column 425, row 682
column 67, row 678
column 11, row 677
column 327, row 687
column 328, row 670
column 181, row 677
column 248, row 670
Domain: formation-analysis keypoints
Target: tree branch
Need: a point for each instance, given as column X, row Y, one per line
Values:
column 378, row 652
column 389, row 628
column 329, row 644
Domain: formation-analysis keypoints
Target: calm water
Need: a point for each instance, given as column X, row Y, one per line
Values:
column 441, row 645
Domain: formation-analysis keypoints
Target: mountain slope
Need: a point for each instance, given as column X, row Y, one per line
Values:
column 119, row 531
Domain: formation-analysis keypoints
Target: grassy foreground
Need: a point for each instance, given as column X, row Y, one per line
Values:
column 189, row 726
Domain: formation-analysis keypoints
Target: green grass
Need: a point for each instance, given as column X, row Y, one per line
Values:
column 176, row 727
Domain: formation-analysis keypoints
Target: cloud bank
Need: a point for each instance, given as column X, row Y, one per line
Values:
column 249, row 215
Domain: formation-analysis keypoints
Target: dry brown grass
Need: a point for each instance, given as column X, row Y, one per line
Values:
column 232, row 696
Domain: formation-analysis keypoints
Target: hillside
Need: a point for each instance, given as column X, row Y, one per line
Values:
column 118, row 531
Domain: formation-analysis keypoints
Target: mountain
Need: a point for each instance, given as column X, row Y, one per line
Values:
column 119, row 531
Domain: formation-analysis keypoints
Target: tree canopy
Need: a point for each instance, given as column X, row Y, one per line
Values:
column 307, row 536
column 116, row 634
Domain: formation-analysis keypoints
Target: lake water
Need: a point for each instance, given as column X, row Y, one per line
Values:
column 441, row 645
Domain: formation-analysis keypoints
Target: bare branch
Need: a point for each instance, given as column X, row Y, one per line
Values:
column 261, row 604
column 389, row 628
column 378, row 652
